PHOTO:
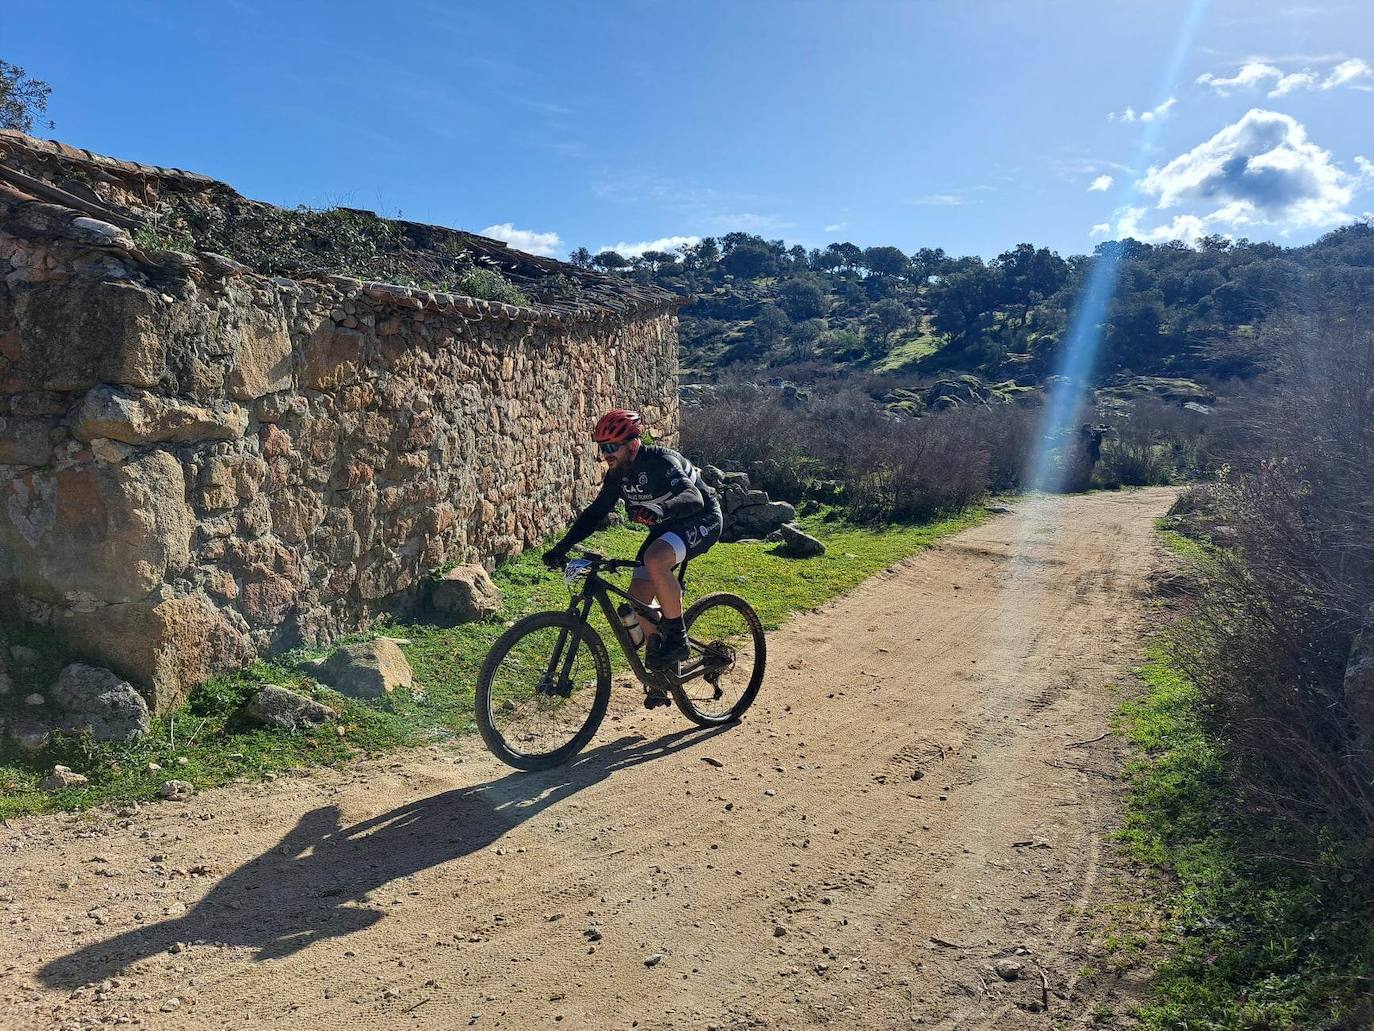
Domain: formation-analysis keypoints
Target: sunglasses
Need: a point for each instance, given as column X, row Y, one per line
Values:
column 608, row 448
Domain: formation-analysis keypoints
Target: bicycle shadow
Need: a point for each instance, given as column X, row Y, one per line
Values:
column 300, row 891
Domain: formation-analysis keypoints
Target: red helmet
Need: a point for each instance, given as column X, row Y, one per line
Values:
column 617, row 426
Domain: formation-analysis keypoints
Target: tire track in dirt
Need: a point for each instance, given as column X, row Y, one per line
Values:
column 807, row 881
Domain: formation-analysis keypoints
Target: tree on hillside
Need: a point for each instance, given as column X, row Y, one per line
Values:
column 609, row 261
column 771, row 324
column 21, row 98
column 885, row 319
column 885, row 261
column 581, row 257
column 749, row 259
column 801, row 298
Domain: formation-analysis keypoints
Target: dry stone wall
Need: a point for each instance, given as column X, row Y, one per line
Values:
column 199, row 464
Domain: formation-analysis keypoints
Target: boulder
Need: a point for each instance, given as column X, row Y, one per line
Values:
column 61, row 778
column 466, row 594
column 371, row 669
column 759, row 520
column 278, row 707
column 96, row 702
column 1359, row 679
column 796, row 543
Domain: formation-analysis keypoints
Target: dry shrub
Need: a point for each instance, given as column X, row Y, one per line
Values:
column 890, row 468
column 1288, row 591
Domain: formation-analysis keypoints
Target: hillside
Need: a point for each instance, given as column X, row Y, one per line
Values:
column 1177, row 311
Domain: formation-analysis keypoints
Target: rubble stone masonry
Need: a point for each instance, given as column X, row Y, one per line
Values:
column 199, row 464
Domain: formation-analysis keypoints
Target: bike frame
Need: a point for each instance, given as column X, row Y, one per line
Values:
column 597, row 589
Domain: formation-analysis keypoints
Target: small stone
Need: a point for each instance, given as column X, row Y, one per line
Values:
column 654, row 960
column 23, row 655
column 712, row 761
column 168, row 1005
column 593, row 933
column 176, row 790
column 35, row 699
column 177, row 948
column 62, row 778
column 779, row 931
column 1008, row 969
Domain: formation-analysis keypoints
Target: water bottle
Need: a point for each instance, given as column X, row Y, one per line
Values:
column 630, row 621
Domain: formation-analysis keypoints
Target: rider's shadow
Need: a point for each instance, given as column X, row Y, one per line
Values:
column 300, row 891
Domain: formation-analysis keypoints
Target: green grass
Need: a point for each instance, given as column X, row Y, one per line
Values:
column 1249, row 941
column 910, row 351
column 218, row 747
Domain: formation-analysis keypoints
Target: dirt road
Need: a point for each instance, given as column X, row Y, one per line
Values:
column 902, row 808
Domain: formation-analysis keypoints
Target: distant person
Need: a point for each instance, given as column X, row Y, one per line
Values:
column 663, row 491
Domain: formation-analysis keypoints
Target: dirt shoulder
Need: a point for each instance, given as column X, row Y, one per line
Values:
column 904, row 806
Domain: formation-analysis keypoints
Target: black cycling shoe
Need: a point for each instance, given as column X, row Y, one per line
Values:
column 671, row 648
column 654, row 697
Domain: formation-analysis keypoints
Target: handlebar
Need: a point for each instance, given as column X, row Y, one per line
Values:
column 600, row 561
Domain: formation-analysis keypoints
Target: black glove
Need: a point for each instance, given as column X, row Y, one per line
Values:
column 555, row 559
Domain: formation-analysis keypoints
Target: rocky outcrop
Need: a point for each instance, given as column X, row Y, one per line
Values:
column 371, row 669
column 276, row 706
column 466, row 594
column 749, row 514
column 200, row 464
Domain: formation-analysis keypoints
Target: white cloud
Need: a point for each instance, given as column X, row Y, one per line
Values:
column 939, row 200
column 1252, row 73
column 1293, row 81
column 1130, row 114
column 1261, row 170
column 1101, row 184
column 751, row 222
column 663, row 243
column 1349, row 73
column 836, row 227
column 546, row 244
column 1353, row 72
column 1101, row 229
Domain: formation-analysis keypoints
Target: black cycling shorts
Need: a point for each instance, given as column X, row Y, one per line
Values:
column 688, row 537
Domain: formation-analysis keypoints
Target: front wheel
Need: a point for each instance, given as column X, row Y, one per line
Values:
column 727, row 645
column 543, row 691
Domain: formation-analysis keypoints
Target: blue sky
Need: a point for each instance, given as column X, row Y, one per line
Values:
column 971, row 125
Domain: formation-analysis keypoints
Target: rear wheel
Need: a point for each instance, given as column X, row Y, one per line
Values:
column 727, row 643
column 535, row 708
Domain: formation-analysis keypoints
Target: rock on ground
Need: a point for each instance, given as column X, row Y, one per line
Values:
column 796, row 543
column 176, row 790
column 370, row 669
column 278, row 707
column 62, row 778
column 97, row 702
column 466, row 594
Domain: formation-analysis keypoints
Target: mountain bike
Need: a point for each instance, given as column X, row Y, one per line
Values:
column 546, row 683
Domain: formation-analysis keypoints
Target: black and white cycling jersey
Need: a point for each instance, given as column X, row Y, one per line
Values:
column 659, row 481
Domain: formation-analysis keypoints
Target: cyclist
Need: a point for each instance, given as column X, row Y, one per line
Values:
column 663, row 491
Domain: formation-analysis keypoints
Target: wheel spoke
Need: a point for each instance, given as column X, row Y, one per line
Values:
column 725, row 644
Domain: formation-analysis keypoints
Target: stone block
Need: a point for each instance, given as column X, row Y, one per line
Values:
column 333, row 358
column 798, row 544
column 25, row 441
column 113, row 532
column 261, row 361
column 136, row 416
column 164, row 648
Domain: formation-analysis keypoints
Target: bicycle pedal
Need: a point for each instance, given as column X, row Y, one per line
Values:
column 653, row 699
